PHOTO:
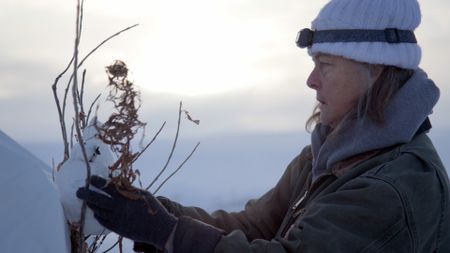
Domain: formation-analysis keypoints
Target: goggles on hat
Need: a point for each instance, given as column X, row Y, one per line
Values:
column 307, row 37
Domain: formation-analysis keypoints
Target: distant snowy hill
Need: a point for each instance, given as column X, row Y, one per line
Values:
column 31, row 215
column 225, row 165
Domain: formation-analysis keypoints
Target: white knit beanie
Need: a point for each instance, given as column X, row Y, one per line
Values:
column 370, row 14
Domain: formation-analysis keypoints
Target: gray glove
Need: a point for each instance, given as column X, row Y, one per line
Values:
column 142, row 219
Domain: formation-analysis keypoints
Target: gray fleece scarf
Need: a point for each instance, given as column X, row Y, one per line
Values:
column 404, row 114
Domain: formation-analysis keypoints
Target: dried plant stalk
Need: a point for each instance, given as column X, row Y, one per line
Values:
column 120, row 129
column 123, row 124
column 61, row 107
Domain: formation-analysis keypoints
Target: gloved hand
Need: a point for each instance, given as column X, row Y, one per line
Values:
column 141, row 219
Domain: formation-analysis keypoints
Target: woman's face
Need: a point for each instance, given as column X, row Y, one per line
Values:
column 339, row 82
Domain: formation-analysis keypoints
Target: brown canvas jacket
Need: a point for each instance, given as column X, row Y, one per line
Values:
column 391, row 201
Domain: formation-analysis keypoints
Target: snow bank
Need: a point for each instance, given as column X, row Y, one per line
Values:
column 72, row 175
column 31, row 215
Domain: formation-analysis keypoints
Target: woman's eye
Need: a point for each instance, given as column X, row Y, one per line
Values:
column 324, row 66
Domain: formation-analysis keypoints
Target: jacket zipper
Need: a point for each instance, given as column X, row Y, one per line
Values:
column 294, row 208
column 297, row 204
column 293, row 216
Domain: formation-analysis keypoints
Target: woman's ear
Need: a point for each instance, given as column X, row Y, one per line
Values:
column 376, row 70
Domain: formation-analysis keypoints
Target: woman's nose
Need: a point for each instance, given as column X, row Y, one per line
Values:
column 313, row 80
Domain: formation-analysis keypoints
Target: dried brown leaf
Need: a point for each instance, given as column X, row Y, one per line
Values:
column 188, row 116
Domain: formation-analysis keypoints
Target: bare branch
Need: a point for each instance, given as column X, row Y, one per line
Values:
column 60, row 112
column 114, row 245
column 102, row 241
column 121, row 245
column 171, row 151
column 97, row 243
column 80, row 23
column 90, row 108
column 104, row 41
column 53, row 170
column 178, row 169
column 87, row 56
column 66, row 92
column 93, row 247
column 80, row 99
column 62, row 109
column 77, row 119
column 71, row 134
column 150, row 143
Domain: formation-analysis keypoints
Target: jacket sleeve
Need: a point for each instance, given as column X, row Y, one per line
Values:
column 261, row 217
column 364, row 215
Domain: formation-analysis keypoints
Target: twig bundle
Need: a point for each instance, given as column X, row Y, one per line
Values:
column 117, row 132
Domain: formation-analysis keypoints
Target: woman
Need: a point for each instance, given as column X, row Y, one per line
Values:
column 371, row 180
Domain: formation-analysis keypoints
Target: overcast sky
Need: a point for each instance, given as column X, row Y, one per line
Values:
column 234, row 64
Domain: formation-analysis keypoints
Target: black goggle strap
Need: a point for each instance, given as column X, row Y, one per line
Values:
column 308, row 37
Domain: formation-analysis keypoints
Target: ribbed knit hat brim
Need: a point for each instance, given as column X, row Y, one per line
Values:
column 370, row 14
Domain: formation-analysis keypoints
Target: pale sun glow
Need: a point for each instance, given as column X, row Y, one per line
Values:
column 196, row 51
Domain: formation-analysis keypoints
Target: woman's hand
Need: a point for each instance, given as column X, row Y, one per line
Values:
column 141, row 218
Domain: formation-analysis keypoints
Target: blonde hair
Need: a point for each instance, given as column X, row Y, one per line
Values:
column 373, row 102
